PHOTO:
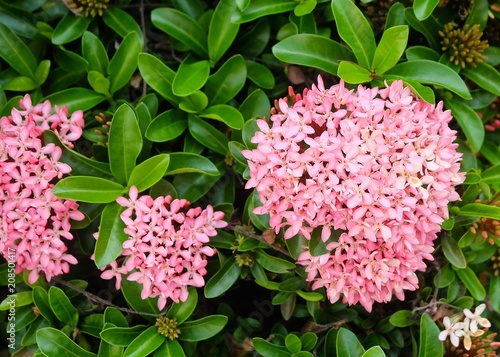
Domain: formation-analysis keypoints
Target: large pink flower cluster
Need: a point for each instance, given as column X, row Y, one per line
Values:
column 33, row 221
column 166, row 250
column 377, row 164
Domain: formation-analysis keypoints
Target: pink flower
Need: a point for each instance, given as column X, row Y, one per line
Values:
column 34, row 220
column 166, row 250
column 377, row 164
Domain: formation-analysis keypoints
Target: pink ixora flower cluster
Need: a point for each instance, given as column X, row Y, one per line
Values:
column 377, row 164
column 33, row 221
column 166, row 250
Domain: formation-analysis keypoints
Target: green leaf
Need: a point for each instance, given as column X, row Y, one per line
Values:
column 260, row 74
column 183, row 162
column 170, row 348
column 494, row 292
column 453, row 253
column 144, row 344
column 20, row 84
column 92, row 324
column 124, row 62
column 390, row 49
column 485, row 76
column 183, row 310
column 122, row 22
column 428, row 27
column 16, row 53
column 421, row 52
column 132, row 292
column 224, row 113
column 115, row 317
column 167, row 126
column 122, row 336
column 273, row 264
column 70, row 28
column 430, row 72
column 268, row 349
column 111, row 235
column 99, row 83
column 41, row 300
column 348, row 344
column 94, row 53
column 221, row 32
column 354, row 29
column 207, row 135
column 430, row 346
column 309, row 340
column 469, row 121
column 293, row 343
column 304, row 7
column 87, row 189
column 261, row 8
column 190, row 77
column 62, row 308
column 20, row 22
column 158, row 76
column 225, row 277
column 353, row 73
column 312, row 51
column 193, row 186
column 491, row 175
column 472, row 283
column 375, row 351
column 256, row 105
column 42, row 72
column 21, row 298
column 53, row 342
column 149, row 172
column 76, row 98
column 194, row 102
column 226, row 83
column 202, row 329
column 424, row 8
column 181, row 27
column 310, row 295
column 401, row 318
column 124, row 143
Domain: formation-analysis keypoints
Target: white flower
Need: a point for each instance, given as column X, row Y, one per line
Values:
column 475, row 318
column 466, row 333
column 453, row 331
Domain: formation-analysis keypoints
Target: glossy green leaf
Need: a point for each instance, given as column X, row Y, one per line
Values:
column 485, row 76
column 115, row 317
column 293, row 343
column 16, row 53
column 70, row 61
column 62, row 308
column 170, row 348
column 41, row 300
column 183, row 309
column 390, row 49
column 348, row 344
column 428, row 27
column 260, row 8
column 42, row 72
column 421, row 52
column 254, row 41
column 472, row 283
column 20, row 23
column 122, row 22
column 149, row 172
column 424, row 8
column 260, row 75
column 183, row 162
column 111, row 235
column 491, row 175
column 22, row 298
column 202, row 329
column 53, row 342
column 158, row 76
column 70, row 28
column 124, row 143
column 76, row 98
column 87, row 189
column 122, row 336
column 190, row 77
column 207, row 135
column 225, row 277
column 20, row 84
column 453, row 253
column 80, row 165
column 268, row 349
column 310, row 295
column 235, row 148
column 132, row 292
column 430, row 72
column 193, row 186
column 479, row 13
column 469, row 121
column 144, row 344
column 430, row 346
column 494, row 292
column 353, row 73
column 194, row 103
column 91, row 324
column 355, row 30
column 375, row 351
column 309, row 340
column 256, row 105
column 221, row 32
column 94, row 53
column 312, row 51
column 167, row 126
column 181, row 27
column 99, row 83
column 224, row 113
column 226, row 83
column 272, row 263
column 401, row 318
column 124, row 62
column 304, row 7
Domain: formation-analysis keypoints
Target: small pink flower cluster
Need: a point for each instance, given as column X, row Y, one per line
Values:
column 33, row 221
column 377, row 164
column 166, row 249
